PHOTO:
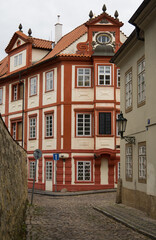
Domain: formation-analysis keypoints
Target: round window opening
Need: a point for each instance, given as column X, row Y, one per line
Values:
column 18, row 43
column 103, row 38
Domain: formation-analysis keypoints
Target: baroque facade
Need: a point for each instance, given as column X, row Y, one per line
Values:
column 63, row 98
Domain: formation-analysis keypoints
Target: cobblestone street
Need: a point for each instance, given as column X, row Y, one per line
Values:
column 73, row 217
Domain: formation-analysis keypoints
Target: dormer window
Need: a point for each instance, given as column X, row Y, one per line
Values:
column 18, row 60
column 103, row 38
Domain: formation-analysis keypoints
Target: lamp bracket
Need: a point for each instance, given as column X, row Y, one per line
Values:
column 129, row 139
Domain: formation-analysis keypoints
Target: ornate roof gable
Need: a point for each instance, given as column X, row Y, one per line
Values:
column 104, row 19
column 18, row 38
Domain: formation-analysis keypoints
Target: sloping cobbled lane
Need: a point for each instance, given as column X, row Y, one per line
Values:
column 73, row 217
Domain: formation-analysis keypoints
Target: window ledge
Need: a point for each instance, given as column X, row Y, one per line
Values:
column 83, row 182
column 104, row 135
column 32, row 139
column 47, row 91
column 51, row 137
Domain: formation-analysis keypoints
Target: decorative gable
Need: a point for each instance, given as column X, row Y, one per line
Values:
column 104, row 21
column 18, row 43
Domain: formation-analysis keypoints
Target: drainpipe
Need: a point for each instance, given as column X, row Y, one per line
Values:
column 22, row 82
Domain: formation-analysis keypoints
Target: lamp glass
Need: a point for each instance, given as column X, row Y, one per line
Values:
column 122, row 122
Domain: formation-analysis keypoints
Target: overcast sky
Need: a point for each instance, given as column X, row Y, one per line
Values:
column 41, row 16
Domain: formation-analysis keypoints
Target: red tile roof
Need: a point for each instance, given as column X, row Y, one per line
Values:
column 3, row 66
column 67, row 40
column 40, row 43
column 36, row 42
column 62, row 44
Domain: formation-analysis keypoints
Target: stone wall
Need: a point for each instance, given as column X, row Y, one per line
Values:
column 140, row 200
column 13, row 185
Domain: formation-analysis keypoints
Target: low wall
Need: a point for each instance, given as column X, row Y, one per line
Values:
column 139, row 200
column 13, row 185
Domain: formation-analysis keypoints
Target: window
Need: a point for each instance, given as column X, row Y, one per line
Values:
column 18, row 60
column 17, row 91
column 141, row 82
column 1, row 95
column 103, row 38
column 49, row 80
column 33, row 127
column 83, row 124
column 49, row 125
column 48, row 170
column 32, row 169
column 142, row 162
column 33, row 86
column 129, row 90
column 129, row 164
column 83, row 77
column 118, row 77
column 16, row 129
column 84, row 171
column 105, row 123
column 104, row 75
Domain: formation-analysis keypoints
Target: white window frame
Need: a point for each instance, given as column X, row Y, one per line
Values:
column 16, row 129
column 49, row 169
column 84, row 76
column 32, row 121
column 18, row 60
column 129, row 161
column 15, row 92
column 141, row 81
column 31, row 169
column 82, row 171
column 1, row 95
column 49, row 80
column 33, row 86
column 142, row 162
column 81, row 121
column 49, row 125
column 118, row 77
column 14, row 125
column 103, row 73
column 128, row 90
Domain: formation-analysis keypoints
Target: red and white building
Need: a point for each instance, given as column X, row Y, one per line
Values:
column 64, row 97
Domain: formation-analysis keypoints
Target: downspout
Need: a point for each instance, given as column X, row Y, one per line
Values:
column 22, row 82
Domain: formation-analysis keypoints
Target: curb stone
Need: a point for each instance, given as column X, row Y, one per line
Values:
column 137, row 228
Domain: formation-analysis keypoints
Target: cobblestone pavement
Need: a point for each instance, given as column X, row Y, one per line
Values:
column 73, row 217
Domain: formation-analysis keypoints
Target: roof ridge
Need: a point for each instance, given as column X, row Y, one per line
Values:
column 41, row 39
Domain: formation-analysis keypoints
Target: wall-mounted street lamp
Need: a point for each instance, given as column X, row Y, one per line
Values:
column 121, row 123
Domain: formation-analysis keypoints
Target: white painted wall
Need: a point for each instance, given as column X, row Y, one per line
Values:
column 12, row 67
column 33, row 101
column 73, row 47
column 38, row 54
column 49, row 144
column 50, row 96
column 104, row 171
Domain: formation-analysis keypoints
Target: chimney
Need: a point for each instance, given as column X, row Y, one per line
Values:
column 58, row 30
